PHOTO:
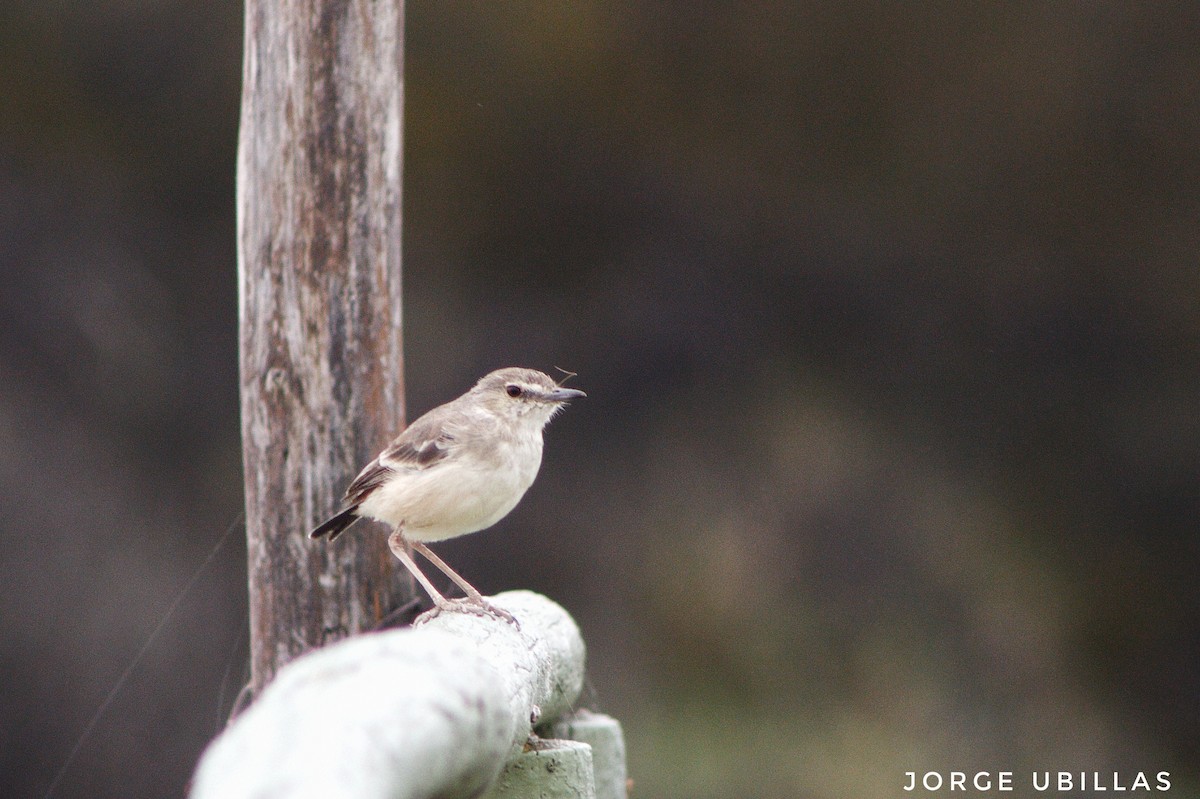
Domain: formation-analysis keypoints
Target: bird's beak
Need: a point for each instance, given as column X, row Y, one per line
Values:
column 564, row 394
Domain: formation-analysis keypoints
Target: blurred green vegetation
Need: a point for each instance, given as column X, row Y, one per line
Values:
column 889, row 317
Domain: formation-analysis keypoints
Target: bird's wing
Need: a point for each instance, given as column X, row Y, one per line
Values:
column 424, row 443
column 370, row 478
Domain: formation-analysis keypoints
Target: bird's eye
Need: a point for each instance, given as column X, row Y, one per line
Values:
column 513, row 390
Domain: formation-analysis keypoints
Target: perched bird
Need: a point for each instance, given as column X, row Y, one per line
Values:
column 458, row 469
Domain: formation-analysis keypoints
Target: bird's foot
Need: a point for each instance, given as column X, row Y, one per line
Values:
column 477, row 606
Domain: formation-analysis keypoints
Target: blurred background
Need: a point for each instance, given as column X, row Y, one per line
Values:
column 889, row 316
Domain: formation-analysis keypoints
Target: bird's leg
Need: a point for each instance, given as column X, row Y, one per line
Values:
column 469, row 589
column 473, row 595
column 399, row 546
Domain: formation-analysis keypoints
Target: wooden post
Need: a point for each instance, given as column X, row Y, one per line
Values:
column 322, row 390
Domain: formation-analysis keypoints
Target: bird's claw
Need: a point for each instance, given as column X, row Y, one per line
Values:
column 480, row 607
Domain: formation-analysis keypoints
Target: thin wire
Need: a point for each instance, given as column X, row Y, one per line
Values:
column 225, row 716
column 137, row 659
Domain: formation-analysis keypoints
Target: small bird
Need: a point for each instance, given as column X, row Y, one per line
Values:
column 458, row 469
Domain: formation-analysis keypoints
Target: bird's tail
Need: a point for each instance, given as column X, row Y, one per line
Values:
column 333, row 527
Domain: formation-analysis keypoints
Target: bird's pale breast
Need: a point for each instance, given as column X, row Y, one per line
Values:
column 459, row 495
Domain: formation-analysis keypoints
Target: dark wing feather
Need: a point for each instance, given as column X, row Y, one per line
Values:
column 367, row 481
column 422, row 444
column 418, row 453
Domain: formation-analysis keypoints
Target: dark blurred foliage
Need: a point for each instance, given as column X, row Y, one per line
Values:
column 889, row 316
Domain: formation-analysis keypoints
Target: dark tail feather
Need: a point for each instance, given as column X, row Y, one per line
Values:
column 333, row 527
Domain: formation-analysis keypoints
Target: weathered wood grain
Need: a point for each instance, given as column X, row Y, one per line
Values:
column 318, row 211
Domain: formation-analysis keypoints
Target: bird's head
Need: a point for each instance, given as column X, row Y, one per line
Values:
column 524, row 394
